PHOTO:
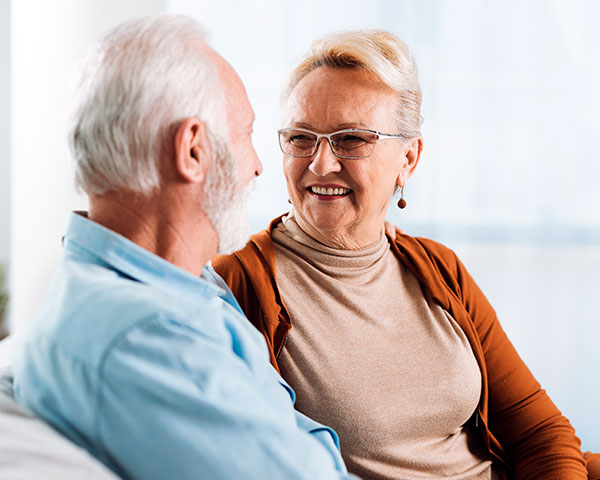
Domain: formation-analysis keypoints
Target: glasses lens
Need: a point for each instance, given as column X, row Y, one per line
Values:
column 297, row 142
column 354, row 144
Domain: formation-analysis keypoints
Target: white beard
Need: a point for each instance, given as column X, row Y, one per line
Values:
column 226, row 204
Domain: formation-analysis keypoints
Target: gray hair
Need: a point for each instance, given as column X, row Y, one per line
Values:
column 377, row 51
column 134, row 87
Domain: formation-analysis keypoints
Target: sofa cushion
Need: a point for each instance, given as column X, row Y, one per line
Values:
column 30, row 448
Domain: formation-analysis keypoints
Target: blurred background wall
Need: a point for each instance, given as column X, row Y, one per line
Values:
column 4, row 148
column 509, row 177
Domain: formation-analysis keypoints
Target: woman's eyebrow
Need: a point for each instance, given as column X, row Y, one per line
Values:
column 339, row 126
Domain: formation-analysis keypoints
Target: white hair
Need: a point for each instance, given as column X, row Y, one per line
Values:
column 377, row 51
column 134, row 87
column 225, row 201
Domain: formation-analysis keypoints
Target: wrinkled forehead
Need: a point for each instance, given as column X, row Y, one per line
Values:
column 239, row 110
column 331, row 98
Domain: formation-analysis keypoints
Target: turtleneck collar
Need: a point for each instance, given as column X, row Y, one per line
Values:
column 335, row 262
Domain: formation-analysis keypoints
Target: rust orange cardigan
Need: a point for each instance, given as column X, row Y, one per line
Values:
column 524, row 432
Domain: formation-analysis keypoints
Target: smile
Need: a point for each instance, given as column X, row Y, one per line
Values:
column 329, row 191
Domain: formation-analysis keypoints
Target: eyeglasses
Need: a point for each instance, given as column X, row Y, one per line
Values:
column 352, row 143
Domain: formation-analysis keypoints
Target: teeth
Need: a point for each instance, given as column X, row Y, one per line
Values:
column 330, row 191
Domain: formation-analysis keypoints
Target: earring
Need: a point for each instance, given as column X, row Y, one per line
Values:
column 401, row 202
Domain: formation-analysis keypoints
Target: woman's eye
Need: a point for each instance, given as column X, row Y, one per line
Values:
column 300, row 139
column 350, row 140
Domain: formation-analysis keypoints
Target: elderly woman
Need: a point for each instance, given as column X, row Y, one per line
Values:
column 388, row 340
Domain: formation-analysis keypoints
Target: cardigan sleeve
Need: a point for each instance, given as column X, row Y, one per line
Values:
column 536, row 436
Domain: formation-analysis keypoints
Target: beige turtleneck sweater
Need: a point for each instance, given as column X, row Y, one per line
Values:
column 400, row 406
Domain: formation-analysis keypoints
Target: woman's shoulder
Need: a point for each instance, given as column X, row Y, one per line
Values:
column 439, row 269
column 424, row 251
column 257, row 256
column 257, row 250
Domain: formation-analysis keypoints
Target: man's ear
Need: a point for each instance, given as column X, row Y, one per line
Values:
column 192, row 150
column 414, row 147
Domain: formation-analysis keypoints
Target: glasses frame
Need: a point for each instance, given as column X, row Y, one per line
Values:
column 380, row 136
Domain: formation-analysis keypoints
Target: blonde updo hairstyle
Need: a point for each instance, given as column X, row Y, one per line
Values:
column 377, row 51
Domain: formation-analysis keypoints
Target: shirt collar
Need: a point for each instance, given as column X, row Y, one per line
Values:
column 125, row 256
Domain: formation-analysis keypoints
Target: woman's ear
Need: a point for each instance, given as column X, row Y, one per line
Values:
column 414, row 147
column 192, row 150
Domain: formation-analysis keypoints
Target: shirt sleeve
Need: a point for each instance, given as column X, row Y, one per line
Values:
column 325, row 435
column 174, row 403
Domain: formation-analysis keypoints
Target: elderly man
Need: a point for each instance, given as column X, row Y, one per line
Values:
column 140, row 353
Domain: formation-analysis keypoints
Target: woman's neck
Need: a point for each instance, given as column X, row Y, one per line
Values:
column 341, row 238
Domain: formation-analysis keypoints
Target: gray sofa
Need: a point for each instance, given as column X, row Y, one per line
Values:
column 31, row 449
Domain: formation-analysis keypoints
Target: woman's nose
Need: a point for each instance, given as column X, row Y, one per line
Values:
column 324, row 161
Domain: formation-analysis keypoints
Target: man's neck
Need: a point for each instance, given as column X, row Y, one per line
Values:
column 159, row 225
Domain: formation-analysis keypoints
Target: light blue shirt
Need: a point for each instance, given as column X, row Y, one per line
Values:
column 158, row 374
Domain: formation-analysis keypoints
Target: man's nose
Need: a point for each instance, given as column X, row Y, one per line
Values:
column 258, row 167
column 324, row 161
